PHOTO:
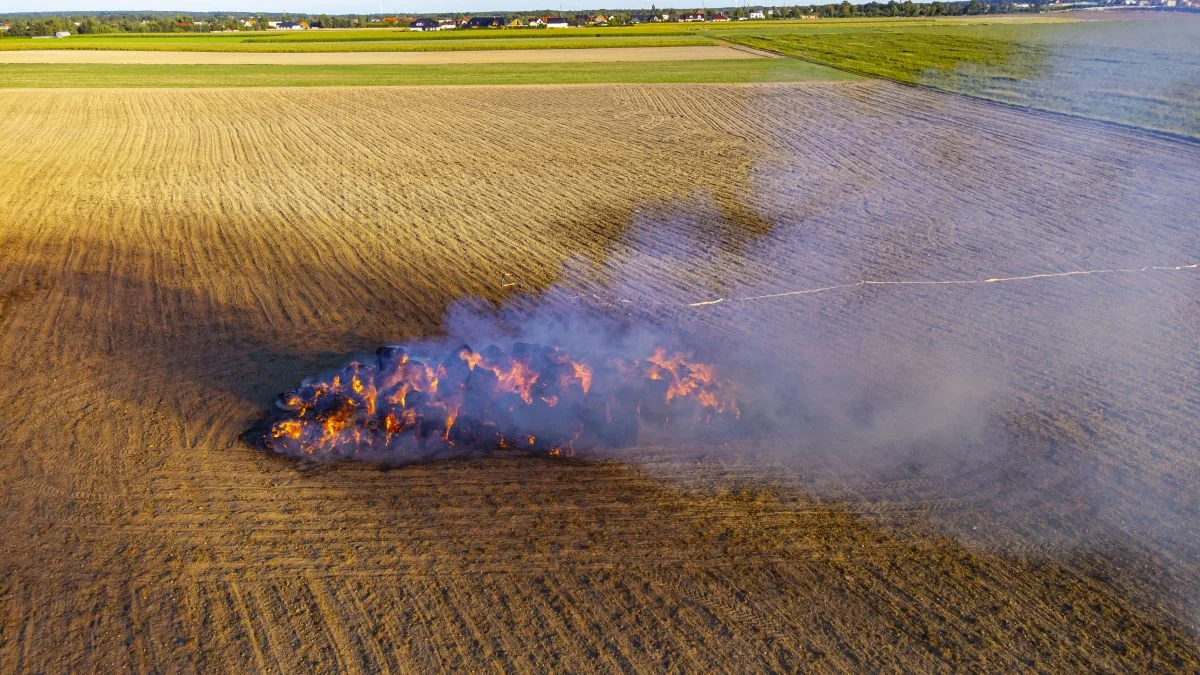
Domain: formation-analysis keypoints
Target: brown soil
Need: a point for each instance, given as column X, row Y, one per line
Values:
column 172, row 259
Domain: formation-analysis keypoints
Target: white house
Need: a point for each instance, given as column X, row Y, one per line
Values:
column 556, row 22
column 757, row 14
column 63, row 34
column 536, row 22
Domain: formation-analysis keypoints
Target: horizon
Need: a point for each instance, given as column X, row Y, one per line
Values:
column 317, row 7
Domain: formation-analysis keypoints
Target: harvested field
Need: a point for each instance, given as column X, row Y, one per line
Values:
column 584, row 55
column 169, row 264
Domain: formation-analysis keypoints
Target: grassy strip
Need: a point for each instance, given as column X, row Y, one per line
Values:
column 111, row 75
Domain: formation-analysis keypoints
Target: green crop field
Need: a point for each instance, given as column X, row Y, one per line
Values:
column 108, row 75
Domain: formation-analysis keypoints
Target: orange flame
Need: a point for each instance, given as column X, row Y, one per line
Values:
column 410, row 401
column 583, row 374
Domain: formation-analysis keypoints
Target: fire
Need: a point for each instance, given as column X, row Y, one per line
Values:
column 414, row 405
column 287, row 429
column 583, row 374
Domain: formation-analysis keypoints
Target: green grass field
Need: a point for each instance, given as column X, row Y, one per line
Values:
column 722, row 71
column 1139, row 69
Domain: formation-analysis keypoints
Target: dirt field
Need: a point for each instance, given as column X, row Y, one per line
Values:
column 172, row 259
column 602, row 55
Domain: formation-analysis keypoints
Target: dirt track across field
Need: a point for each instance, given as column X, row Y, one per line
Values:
column 171, row 259
column 588, row 55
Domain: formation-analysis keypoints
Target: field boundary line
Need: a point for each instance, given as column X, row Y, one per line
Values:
column 917, row 282
column 1157, row 133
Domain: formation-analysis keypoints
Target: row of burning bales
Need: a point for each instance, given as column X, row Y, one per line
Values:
column 409, row 406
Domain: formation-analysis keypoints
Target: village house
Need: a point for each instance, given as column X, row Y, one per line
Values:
column 692, row 17
column 556, row 22
column 536, row 22
column 421, row 25
column 484, row 22
column 719, row 17
column 516, row 23
column 5, row 28
column 757, row 14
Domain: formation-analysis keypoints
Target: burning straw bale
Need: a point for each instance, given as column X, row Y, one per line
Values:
column 411, row 405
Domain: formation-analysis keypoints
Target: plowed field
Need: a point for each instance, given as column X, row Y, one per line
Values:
column 975, row 476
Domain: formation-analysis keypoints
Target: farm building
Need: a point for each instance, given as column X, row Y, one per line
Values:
column 62, row 34
column 719, row 17
column 757, row 14
column 423, row 25
column 556, row 22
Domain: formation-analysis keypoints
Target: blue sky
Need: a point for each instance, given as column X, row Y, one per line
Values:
column 319, row 7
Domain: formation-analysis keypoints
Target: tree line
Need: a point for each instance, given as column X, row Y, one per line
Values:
column 25, row 26
column 912, row 9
